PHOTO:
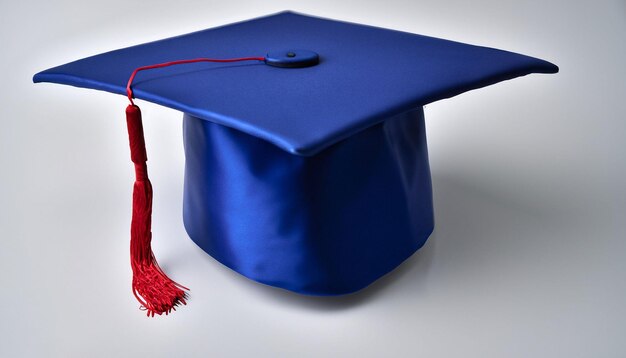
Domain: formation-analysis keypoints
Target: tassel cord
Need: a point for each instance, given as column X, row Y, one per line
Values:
column 153, row 289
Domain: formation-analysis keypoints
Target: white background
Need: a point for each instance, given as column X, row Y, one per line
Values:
column 527, row 259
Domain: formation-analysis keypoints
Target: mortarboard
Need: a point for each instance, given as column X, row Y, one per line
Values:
column 306, row 160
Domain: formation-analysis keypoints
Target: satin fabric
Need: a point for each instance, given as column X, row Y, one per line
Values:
column 328, row 224
column 365, row 75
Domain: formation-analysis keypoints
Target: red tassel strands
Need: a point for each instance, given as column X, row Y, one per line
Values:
column 156, row 292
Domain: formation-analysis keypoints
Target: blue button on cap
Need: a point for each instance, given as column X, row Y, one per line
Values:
column 292, row 58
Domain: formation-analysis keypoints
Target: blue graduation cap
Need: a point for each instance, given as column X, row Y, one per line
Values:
column 306, row 160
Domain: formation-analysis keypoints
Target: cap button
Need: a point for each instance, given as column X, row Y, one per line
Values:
column 292, row 59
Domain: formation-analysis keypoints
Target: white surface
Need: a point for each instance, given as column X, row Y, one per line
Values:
column 527, row 259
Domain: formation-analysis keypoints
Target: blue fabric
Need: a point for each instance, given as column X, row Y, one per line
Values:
column 355, row 200
column 323, row 225
column 365, row 76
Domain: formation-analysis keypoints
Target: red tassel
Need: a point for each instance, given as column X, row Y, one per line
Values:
column 156, row 292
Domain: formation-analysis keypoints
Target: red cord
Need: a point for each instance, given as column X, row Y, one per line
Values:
column 129, row 90
column 154, row 290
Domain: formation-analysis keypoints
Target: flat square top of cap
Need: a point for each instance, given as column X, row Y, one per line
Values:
column 365, row 75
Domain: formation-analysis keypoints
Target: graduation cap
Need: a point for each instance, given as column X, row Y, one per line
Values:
column 306, row 160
